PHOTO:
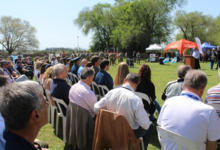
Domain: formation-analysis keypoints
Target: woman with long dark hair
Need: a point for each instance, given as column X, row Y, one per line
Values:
column 147, row 87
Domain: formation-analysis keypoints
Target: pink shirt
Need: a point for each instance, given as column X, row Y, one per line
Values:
column 82, row 95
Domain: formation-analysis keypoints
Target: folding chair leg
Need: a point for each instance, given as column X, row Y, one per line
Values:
column 52, row 116
column 142, row 143
column 57, row 124
column 64, row 129
column 49, row 114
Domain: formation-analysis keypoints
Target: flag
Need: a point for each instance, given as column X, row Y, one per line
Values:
column 166, row 60
column 199, row 45
column 14, row 57
column 210, row 65
column 174, row 60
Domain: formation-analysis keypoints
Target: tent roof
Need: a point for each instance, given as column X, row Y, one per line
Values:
column 154, row 47
column 206, row 45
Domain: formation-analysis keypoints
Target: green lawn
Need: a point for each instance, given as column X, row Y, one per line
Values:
column 161, row 74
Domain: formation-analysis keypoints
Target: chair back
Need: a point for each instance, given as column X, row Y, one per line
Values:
column 113, row 131
column 102, row 89
column 76, row 79
column 37, row 79
column 48, row 95
column 143, row 96
column 180, row 141
column 94, row 86
column 68, row 81
column 216, row 106
column 60, row 101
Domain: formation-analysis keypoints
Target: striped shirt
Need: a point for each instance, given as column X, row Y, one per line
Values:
column 213, row 96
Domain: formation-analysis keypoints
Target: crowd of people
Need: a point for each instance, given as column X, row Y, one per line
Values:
column 183, row 112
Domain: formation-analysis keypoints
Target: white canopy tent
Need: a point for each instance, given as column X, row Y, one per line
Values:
column 154, row 47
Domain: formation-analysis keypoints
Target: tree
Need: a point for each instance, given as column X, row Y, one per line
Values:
column 143, row 22
column 194, row 24
column 17, row 34
column 97, row 20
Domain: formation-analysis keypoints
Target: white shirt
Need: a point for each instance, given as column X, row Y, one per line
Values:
column 196, row 54
column 53, row 63
column 36, row 72
column 82, row 95
column 190, row 118
column 124, row 101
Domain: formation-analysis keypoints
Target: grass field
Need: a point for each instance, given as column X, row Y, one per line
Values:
column 161, row 74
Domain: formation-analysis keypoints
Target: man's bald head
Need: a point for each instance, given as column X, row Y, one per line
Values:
column 84, row 62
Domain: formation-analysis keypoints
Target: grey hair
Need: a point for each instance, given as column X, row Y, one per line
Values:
column 195, row 79
column 84, row 60
column 86, row 72
column 58, row 69
column 132, row 77
column 1, row 71
column 182, row 70
column 17, row 101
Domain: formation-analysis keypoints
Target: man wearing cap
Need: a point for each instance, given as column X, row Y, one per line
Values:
column 75, row 67
column 83, row 64
column 67, row 62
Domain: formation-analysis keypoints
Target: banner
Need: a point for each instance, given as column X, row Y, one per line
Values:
column 174, row 60
column 166, row 60
column 199, row 45
column 15, row 56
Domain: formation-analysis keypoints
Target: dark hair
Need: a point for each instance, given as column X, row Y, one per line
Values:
column 18, row 61
column 89, row 64
column 104, row 63
column 3, row 80
column 132, row 77
column 144, row 72
column 86, row 72
column 94, row 59
column 42, row 68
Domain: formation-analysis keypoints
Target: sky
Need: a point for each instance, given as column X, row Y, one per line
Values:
column 53, row 19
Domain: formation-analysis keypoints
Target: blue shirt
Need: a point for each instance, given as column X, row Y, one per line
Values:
column 74, row 69
column 80, row 69
column 10, row 141
column 60, row 89
column 103, row 78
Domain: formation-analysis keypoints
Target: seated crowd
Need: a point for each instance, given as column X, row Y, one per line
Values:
column 183, row 112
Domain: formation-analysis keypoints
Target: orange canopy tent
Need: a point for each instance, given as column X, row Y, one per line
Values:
column 181, row 45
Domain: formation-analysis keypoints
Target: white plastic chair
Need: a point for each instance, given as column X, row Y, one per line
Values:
column 180, row 141
column 52, row 108
column 103, row 89
column 76, row 79
column 144, row 97
column 60, row 114
column 37, row 79
column 68, row 81
column 95, row 86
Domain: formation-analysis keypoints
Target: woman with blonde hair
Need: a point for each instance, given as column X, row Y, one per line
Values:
column 47, row 79
column 70, row 64
column 121, row 74
column 37, row 68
